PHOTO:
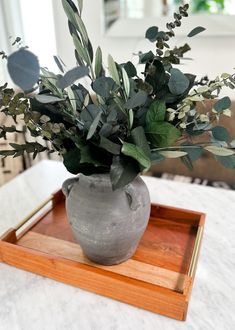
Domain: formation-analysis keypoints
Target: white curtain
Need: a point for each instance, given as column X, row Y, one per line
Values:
column 42, row 25
column 33, row 22
column 10, row 28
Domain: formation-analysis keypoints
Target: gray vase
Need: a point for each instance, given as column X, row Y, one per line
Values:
column 107, row 224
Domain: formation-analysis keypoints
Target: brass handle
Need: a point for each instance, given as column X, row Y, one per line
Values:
column 193, row 262
column 34, row 212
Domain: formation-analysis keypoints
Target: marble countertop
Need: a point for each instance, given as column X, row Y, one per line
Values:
column 32, row 302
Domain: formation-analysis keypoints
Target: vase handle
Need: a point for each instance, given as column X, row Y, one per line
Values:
column 132, row 197
column 67, row 185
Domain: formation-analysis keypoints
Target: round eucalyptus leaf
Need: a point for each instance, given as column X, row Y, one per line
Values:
column 178, row 82
column 151, row 33
column 130, row 69
column 72, row 75
column 222, row 104
column 24, row 70
column 220, row 133
column 103, row 86
column 136, row 100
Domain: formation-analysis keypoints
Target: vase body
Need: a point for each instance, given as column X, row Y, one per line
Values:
column 107, row 224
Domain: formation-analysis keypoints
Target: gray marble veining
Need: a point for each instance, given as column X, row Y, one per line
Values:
column 32, row 302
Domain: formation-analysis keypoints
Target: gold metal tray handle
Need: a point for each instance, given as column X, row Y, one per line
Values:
column 33, row 213
column 193, row 263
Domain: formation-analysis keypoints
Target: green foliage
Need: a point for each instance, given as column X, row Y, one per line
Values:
column 136, row 100
column 222, row 104
column 127, row 119
column 196, row 31
column 156, row 112
column 71, row 76
column 178, row 82
column 98, row 62
column 220, row 133
column 151, row 33
column 19, row 149
column 130, row 69
column 123, row 171
column 136, row 153
column 104, row 86
column 23, row 67
column 162, row 134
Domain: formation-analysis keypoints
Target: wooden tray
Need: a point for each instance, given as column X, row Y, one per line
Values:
column 158, row 277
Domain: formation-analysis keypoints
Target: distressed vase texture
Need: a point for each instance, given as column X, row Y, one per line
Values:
column 107, row 224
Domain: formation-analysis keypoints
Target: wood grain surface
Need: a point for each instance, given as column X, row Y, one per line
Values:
column 155, row 278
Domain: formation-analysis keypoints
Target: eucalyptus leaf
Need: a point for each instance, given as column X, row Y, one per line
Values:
column 7, row 153
column 106, row 130
column 172, row 153
column 136, row 153
column 98, row 62
column 82, row 53
column 104, row 86
column 46, row 99
column 178, row 82
column 219, row 151
column 72, row 14
column 146, row 57
column 113, row 70
column 186, row 160
column 194, row 152
column 24, row 70
column 156, row 157
column 89, row 114
column 123, row 171
column 87, row 156
column 70, row 11
column 72, row 160
column 90, row 52
column 72, row 75
column 220, row 133
column 94, row 126
column 72, row 99
column 139, row 138
column 131, row 118
column 109, row 146
column 82, row 29
column 222, row 104
column 227, row 162
column 152, row 33
column 196, row 31
column 80, row 6
column 126, row 82
column 58, row 63
column 136, row 100
column 157, row 76
column 130, row 69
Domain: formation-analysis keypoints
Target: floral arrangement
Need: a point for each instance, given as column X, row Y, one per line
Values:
column 125, row 121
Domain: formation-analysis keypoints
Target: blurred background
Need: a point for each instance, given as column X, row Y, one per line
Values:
column 119, row 26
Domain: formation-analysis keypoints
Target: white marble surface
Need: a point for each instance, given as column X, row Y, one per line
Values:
column 31, row 302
